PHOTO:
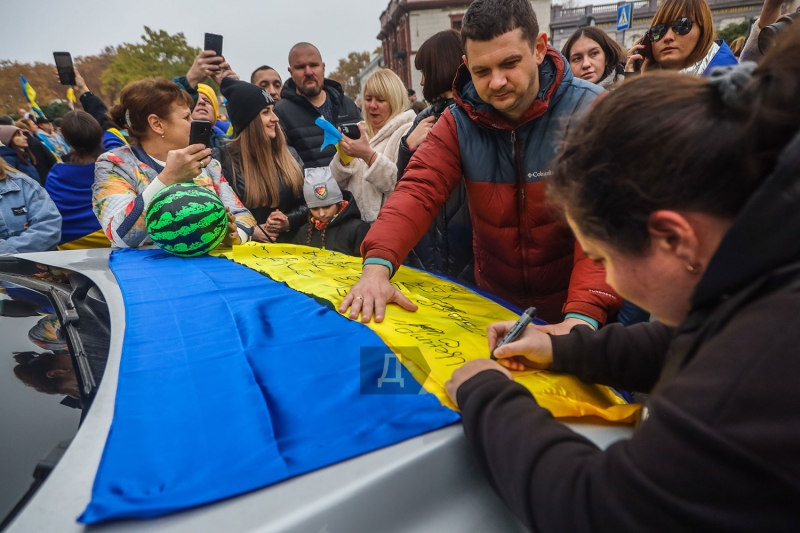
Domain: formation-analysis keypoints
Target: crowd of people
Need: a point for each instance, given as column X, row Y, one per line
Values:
column 643, row 200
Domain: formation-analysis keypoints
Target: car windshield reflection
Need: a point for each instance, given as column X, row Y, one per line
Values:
column 38, row 389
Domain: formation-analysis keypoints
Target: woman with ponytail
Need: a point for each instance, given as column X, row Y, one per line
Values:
column 691, row 200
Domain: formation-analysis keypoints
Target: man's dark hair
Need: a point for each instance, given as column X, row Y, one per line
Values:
column 487, row 19
column 6, row 120
column 259, row 69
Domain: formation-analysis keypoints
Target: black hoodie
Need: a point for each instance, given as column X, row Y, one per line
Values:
column 720, row 450
column 343, row 234
column 297, row 117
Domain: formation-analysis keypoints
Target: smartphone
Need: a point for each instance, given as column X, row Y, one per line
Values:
column 66, row 72
column 200, row 133
column 351, row 131
column 213, row 42
column 646, row 52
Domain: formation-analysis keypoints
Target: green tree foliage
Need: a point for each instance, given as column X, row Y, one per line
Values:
column 56, row 109
column 160, row 54
column 347, row 72
column 730, row 33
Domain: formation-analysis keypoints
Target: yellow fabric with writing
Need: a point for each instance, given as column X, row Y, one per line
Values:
column 449, row 328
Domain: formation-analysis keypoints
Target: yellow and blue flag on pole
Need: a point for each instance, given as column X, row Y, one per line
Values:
column 30, row 95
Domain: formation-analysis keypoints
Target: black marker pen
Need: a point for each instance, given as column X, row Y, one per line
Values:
column 516, row 330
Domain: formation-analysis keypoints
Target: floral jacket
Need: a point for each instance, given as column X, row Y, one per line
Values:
column 120, row 178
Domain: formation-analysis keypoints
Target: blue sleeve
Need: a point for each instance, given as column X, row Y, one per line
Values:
column 183, row 83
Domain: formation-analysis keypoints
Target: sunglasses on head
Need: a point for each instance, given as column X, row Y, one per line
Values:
column 681, row 26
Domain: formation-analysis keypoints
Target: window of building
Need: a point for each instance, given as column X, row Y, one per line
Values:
column 455, row 21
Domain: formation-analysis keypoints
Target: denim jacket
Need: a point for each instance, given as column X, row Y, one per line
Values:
column 29, row 220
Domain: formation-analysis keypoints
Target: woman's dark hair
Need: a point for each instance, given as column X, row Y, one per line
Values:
column 439, row 58
column 612, row 50
column 612, row 173
column 140, row 99
column 83, row 133
column 487, row 19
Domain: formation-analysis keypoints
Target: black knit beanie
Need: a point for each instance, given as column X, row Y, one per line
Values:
column 245, row 102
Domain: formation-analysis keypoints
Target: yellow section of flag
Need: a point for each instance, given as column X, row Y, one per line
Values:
column 448, row 330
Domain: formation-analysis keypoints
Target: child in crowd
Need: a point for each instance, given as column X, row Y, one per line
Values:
column 334, row 222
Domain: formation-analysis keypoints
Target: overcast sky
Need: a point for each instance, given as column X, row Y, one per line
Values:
column 255, row 32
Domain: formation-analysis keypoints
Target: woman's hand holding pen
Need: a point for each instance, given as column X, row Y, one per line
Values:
column 533, row 349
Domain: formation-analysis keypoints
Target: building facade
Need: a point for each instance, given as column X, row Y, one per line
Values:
column 406, row 24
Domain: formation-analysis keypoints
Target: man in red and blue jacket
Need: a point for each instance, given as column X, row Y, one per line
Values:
column 515, row 99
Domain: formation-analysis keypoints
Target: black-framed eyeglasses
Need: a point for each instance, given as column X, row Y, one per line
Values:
column 682, row 26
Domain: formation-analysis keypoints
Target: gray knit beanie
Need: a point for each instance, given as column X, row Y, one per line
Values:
column 320, row 189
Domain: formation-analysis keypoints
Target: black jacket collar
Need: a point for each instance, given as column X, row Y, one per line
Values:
column 333, row 88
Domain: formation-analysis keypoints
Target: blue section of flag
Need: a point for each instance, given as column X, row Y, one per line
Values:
column 230, row 382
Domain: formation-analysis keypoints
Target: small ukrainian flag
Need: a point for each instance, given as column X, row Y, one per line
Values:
column 30, row 95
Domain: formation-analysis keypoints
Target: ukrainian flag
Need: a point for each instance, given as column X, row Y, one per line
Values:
column 264, row 380
column 30, row 95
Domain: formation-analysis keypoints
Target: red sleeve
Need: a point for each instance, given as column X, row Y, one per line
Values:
column 589, row 294
column 432, row 174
